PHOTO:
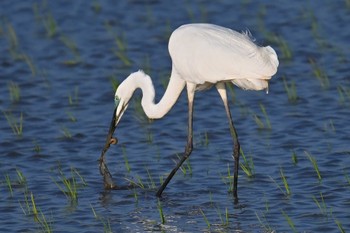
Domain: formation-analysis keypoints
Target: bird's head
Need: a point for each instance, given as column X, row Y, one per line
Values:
column 122, row 97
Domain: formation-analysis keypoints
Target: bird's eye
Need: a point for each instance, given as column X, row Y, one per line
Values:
column 116, row 100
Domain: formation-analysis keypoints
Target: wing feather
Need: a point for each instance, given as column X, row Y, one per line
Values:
column 209, row 53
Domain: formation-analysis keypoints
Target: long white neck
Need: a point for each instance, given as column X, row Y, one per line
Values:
column 172, row 93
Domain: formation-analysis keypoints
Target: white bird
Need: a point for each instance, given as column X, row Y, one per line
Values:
column 202, row 55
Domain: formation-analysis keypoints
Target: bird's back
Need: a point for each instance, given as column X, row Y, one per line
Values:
column 206, row 53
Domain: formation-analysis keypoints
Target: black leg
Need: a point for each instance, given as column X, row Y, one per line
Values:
column 189, row 146
column 236, row 149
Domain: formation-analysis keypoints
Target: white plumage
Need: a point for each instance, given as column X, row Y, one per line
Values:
column 202, row 55
column 209, row 53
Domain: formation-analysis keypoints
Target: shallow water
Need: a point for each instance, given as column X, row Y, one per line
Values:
column 66, row 99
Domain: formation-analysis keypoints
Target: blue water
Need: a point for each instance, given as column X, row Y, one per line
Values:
column 66, row 99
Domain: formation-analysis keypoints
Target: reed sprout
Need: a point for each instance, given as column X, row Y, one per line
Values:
column 264, row 223
column 294, row 158
column 286, row 52
column 151, row 184
column 21, row 179
column 291, row 91
column 14, row 90
column 161, row 213
column 344, row 95
column 314, row 164
column 69, row 186
column 121, row 49
column 106, row 223
column 50, row 25
column 247, row 165
column 114, row 82
column 285, row 183
column 321, row 204
column 127, row 166
column 186, row 167
column 12, row 37
column 16, row 125
column 30, row 208
column 71, row 117
column 66, row 133
column 9, row 184
column 36, row 147
column 228, row 179
column 225, row 220
column 286, row 191
column 259, row 122
column 71, row 45
column 205, row 219
column 320, row 74
column 73, row 98
column 340, row 226
column 30, row 64
column 290, row 221
column 96, row 7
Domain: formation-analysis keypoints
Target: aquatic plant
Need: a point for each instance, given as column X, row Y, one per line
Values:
column 186, row 167
column 37, row 147
column 322, row 205
column 29, row 207
column 286, row 52
column 149, row 137
column 114, row 82
column 259, row 122
column 50, row 25
column 12, row 37
column 21, row 179
column 329, row 126
column 66, row 133
column 228, row 179
column 263, row 222
column 106, row 223
column 121, row 49
column 205, row 219
column 320, row 74
column 73, row 98
column 340, row 226
column 224, row 221
column 127, row 166
column 294, row 158
column 16, row 125
column 314, row 163
column 285, row 183
column 151, row 183
column 70, row 186
column 9, row 184
column 139, row 183
column 161, row 213
column 73, row 48
column 14, row 90
column 247, row 165
column 71, row 117
column 344, row 95
column 96, row 6
column 291, row 91
column 290, row 221
column 30, row 64
column 286, row 191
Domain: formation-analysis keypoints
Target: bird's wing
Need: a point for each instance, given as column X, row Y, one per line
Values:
column 210, row 53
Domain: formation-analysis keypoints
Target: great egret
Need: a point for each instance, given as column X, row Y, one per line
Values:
column 202, row 55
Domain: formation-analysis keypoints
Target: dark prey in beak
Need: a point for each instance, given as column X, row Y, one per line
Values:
column 107, row 177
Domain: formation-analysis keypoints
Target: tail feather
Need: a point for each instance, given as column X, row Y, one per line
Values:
column 251, row 84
